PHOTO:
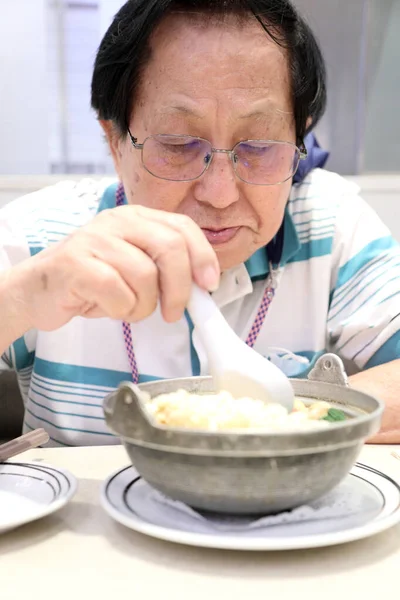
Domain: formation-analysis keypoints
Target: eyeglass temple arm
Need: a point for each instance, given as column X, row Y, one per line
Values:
column 134, row 141
column 303, row 151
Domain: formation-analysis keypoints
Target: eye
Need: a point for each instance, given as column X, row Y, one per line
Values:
column 179, row 143
column 254, row 149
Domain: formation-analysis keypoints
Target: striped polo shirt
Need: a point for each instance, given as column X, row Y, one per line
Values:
column 338, row 290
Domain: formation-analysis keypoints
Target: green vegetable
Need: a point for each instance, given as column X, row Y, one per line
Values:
column 334, row 415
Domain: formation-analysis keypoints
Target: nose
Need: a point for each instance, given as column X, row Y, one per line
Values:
column 218, row 186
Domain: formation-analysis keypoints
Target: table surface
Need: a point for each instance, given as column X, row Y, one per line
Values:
column 80, row 552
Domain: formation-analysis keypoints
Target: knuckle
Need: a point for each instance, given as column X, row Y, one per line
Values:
column 147, row 275
column 71, row 261
column 184, row 221
column 107, row 215
column 106, row 279
column 173, row 242
column 140, row 311
column 109, row 219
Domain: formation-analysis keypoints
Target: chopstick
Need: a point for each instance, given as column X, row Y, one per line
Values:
column 30, row 440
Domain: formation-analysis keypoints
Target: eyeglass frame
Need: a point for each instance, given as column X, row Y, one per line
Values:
column 302, row 150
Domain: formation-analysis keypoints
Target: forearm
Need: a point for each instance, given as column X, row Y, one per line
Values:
column 384, row 383
column 13, row 318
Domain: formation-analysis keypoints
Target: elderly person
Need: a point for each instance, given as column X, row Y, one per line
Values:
column 205, row 105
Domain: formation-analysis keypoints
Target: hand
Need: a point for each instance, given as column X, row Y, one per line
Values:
column 118, row 266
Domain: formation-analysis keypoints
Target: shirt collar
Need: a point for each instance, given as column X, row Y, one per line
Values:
column 108, row 199
column 258, row 264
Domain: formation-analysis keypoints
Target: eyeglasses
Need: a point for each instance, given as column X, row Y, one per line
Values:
column 186, row 158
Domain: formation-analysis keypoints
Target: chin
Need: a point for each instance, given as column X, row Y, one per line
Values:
column 228, row 259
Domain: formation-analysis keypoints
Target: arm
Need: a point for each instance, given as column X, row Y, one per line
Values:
column 13, row 320
column 364, row 311
column 383, row 382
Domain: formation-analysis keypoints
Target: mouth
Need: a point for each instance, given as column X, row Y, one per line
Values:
column 217, row 237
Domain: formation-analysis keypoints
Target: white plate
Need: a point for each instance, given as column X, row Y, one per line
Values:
column 30, row 491
column 128, row 499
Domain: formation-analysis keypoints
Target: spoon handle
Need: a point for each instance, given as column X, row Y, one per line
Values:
column 214, row 331
column 30, row 440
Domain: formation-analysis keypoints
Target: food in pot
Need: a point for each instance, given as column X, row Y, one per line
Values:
column 222, row 412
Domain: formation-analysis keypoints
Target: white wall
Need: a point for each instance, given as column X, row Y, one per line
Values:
column 382, row 142
column 23, row 87
column 108, row 9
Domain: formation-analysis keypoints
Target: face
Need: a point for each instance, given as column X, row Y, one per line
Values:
column 225, row 83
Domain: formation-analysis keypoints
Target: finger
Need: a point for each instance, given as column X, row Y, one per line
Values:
column 167, row 248
column 136, row 225
column 204, row 261
column 136, row 268
column 169, row 252
column 99, row 285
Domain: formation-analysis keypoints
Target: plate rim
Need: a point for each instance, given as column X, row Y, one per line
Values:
column 218, row 542
column 50, row 508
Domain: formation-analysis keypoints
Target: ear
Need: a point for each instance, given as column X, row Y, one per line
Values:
column 115, row 141
column 309, row 123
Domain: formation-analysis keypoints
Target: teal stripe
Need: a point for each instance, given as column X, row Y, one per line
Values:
column 148, row 378
column 304, row 198
column 353, row 337
column 368, row 269
column 23, row 358
column 80, row 374
column 366, row 255
column 196, row 368
column 59, row 210
column 387, row 353
column 77, row 392
column 24, row 378
column 309, row 210
column 6, row 358
column 310, row 222
column 359, row 307
column 64, row 223
column 58, row 234
column 67, row 414
column 26, row 424
column 86, row 375
column 73, row 402
column 108, row 199
column 313, row 249
column 43, row 381
column 33, row 250
column 327, row 229
column 389, row 298
column 365, row 287
column 28, row 410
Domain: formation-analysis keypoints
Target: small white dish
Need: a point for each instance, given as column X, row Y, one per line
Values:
column 373, row 498
column 31, row 491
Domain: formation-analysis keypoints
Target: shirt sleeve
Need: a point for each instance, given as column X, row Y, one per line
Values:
column 363, row 324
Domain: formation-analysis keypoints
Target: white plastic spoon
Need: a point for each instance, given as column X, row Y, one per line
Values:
column 234, row 366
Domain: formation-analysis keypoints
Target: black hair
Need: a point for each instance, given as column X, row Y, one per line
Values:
column 125, row 51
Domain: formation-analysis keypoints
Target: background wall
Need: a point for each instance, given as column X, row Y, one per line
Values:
column 47, row 50
column 24, row 127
